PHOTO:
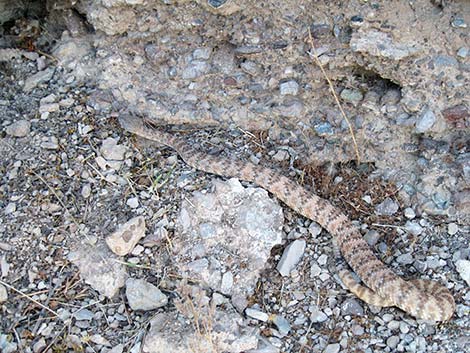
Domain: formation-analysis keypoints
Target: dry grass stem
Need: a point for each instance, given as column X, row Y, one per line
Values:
column 24, row 295
column 332, row 89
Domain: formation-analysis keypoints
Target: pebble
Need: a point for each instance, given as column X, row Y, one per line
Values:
column 50, row 143
column 413, row 227
column 122, row 241
column 133, row 202
column 409, row 213
column 332, row 348
column 404, row 327
column 39, row 77
column 323, row 128
column 143, row 295
column 393, row 341
column 281, row 155
column 458, row 22
column 39, row 345
column 315, row 270
column 291, row 257
column 353, row 96
column 405, row 259
column 387, row 207
column 357, row 330
column 322, row 259
column 49, row 108
column 463, row 268
column 282, row 324
column 257, row 314
column 452, row 228
column 3, row 294
column 112, row 151
column 290, row 87
column 317, row 315
column 10, row 208
column 83, row 315
column 314, row 229
column 372, row 237
column 425, row 121
column 227, row 283
column 352, row 307
column 462, row 52
column 19, row 128
column 86, row 191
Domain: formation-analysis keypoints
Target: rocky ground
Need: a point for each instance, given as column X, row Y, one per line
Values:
column 109, row 243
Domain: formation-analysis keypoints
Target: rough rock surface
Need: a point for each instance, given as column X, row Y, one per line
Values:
column 226, row 237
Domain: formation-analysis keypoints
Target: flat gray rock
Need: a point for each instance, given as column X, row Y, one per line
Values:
column 98, row 268
column 143, row 295
column 291, row 257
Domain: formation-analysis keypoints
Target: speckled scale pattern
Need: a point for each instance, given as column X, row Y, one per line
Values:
column 422, row 299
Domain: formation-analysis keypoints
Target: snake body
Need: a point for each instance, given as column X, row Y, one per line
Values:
column 422, row 299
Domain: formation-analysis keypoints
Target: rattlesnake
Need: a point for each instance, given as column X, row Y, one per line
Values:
column 422, row 299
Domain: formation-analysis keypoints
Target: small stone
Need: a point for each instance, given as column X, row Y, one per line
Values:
column 458, row 22
column 357, row 330
column 281, row 155
column 282, row 324
column 98, row 339
column 98, row 268
column 353, row 96
column 3, row 294
column 387, row 207
column 392, row 341
column 315, row 270
column 352, row 307
column 202, row 53
column 289, row 87
column 112, row 151
column 39, row 345
column 367, row 199
column 405, row 259
column 404, row 327
column 10, row 208
column 317, row 315
column 413, row 227
column 19, row 128
column 372, row 237
column 49, row 108
column 117, row 349
column 425, row 121
column 127, row 236
column 133, row 202
column 227, row 283
column 462, row 52
column 291, row 257
column 322, row 259
column 314, row 229
column 143, row 295
column 50, row 143
column 463, row 268
column 39, row 77
column 195, row 69
column 452, row 228
column 323, row 128
column 257, row 314
column 332, row 348
column 86, row 191
column 409, row 213
column 83, row 315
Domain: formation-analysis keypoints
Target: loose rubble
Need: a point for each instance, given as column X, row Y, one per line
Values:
column 214, row 264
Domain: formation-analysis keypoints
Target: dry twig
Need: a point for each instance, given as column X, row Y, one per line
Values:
column 332, row 89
